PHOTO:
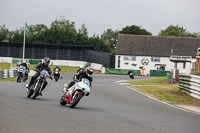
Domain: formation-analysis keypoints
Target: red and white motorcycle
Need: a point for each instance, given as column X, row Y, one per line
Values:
column 73, row 95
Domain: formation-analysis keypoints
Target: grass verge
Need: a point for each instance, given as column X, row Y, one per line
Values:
column 163, row 91
column 4, row 66
column 64, row 69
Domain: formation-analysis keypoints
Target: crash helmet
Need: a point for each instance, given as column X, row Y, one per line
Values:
column 56, row 66
column 89, row 71
column 46, row 61
column 81, row 66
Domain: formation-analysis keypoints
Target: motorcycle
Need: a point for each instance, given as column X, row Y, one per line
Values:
column 56, row 74
column 36, row 88
column 73, row 95
column 21, row 74
column 131, row 75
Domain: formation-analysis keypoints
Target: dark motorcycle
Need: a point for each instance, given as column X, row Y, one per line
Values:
column 56, row 74
column 131, row 75
column 36, row 88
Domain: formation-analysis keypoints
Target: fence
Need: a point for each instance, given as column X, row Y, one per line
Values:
column 57, row 52
column 158, row 73
column 121, row 71
column 190, row 84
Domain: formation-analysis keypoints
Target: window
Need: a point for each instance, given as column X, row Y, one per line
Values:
column 130, row 58
column 155, row 59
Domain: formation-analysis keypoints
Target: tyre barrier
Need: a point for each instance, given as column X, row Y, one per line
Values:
column 7, row 73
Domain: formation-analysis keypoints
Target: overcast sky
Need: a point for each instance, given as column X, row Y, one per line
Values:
column 99, row 15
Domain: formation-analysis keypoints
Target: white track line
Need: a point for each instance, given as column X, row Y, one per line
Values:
column 159, row 100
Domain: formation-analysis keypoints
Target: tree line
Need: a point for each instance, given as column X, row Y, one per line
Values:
column 64, row 32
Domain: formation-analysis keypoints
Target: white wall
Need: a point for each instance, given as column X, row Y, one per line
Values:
column 5, row 59
column 151, row 65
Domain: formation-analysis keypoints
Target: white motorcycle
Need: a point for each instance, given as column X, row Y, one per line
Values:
column 21, row 74
column 73, row 95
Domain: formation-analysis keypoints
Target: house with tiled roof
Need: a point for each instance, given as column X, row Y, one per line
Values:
column 156, row 52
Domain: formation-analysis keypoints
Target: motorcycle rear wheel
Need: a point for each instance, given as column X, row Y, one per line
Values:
column 76, row 100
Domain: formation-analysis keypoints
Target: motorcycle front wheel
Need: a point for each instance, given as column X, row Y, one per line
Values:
column 19, row 77
column 30, row 93
column 56, row 77
column 24, row 78
column 36, row 91
column 75, row 101
column 62, row 101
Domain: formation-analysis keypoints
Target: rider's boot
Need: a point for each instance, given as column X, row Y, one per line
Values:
column 27, row 88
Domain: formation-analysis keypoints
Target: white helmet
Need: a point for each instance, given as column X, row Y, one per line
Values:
column 81, row 66
column 23, row 61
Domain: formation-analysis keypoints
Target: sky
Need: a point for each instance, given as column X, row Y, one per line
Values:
column 100, row 15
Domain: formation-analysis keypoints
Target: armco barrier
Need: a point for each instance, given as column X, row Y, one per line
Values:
column 190, row 84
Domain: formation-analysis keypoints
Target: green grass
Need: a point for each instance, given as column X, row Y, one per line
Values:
column 153, row 81
column 64, row 69
column 4, row 66
column 13, row 79
column 164, row 91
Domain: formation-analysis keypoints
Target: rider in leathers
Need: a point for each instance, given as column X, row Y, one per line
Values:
column 82, row 74
column 39, row 67
column 25, row 65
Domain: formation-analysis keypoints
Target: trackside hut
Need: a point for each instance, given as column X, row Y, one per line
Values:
column 154, row 52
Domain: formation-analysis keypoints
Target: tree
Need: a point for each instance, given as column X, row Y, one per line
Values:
column 98, row 44
column 173, row 31
column 4, row 32
column 135, row 30
column 62, row 32
column 110, row 38
column 16, row 36
column 195, row 34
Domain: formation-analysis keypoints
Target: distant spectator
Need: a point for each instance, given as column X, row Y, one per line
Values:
column 143, row 71
column 198, row 51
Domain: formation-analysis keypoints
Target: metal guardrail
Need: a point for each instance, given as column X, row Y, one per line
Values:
column 190, row 84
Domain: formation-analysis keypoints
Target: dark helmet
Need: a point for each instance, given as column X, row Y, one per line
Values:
column 56, row 66
column 46, row 61
column 89, row 71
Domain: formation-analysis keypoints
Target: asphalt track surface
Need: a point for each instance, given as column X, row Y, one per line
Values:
column 111, row 108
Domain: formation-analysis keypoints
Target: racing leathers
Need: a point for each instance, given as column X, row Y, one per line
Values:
column 78, row 76
column 25, row 65
column 39, row 67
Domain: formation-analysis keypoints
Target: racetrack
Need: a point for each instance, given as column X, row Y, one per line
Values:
column 110, row 108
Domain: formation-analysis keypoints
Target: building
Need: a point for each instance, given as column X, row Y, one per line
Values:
column 156, row 52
